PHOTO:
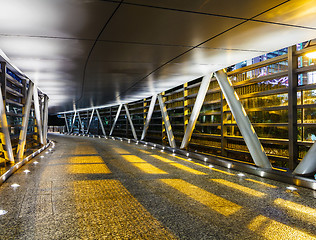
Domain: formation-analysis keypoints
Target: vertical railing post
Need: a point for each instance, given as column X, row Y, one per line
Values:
column 166, row 120
column 223, row 129
column 292, row 107
column 25, row 121
column 251, row 139
column 196, row 110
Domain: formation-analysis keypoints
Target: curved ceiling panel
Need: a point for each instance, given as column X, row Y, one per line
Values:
column 98, row 52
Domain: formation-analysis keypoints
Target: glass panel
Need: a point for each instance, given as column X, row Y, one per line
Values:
column 280, row 116
column 309, row 133
column 277, row 83
column 266, row 101
column 272, row 132
column 310, row 115
column 309, row 97
column 208, row 129
column 259, row 72
column 307, row 78
column 209, row 119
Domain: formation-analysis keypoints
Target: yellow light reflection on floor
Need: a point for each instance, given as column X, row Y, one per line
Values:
column 178, row 165
column 133, row 159
column 84, row 149
column 144, row 151
column 162, row 158
column 143, row 165
column 271, row 229
column 239, row 187
column 262, row 183
column 120, row 151
column 107, row 210
column 301, row 211
column 204, row 166
column 86, row 159
column 187, row 169
column 216, row 203
column 88, row 169
column 148, row 168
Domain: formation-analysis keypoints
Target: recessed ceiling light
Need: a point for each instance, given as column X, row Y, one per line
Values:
column 26, row 171
column 35, row 162
column 240, row 174
column 15, row 185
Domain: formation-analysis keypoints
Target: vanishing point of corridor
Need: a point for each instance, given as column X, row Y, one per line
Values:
column 90, row 188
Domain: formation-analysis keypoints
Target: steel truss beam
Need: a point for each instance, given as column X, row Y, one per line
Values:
column 73, row 121
column 196, row 110
column 149, row 115
column 308, row 165
column 91, row 117
column 5, row 135
column 251, row 139
column 166, row 120
column 25, row 121
column 45, row 119
column 65, row 116
column 100, row 121
column 130, row 121
column 38, row 114
column 116, row 118
column 80, row 122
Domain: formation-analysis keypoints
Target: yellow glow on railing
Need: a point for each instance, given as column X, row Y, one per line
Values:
column 271, row 229
column 239, row 187
column 216, row 203
column 133, row 159
column 178, row 165
column 88, row 169
column 120, row 151
column 261, row 183
column 301, row 211
column 86, row 159
column 148, row 168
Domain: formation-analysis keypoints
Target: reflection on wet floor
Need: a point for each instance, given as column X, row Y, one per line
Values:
column 104, row 189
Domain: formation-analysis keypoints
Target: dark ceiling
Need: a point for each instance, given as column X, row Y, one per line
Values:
column 92, row 53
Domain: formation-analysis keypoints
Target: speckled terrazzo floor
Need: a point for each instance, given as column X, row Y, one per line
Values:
column 89, row 188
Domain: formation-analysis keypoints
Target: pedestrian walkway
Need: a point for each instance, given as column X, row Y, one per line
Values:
column 90, row 188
